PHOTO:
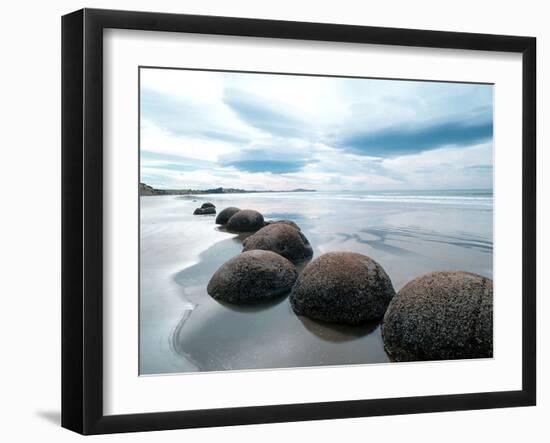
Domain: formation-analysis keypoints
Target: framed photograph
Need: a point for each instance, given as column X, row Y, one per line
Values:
column 268, row 221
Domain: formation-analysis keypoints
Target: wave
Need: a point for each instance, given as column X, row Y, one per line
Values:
column 484, row 199
column 443, row 200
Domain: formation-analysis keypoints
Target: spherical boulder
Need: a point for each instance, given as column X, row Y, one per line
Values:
column 226, row 214
column 342, row 287
column 204, row 211
column 252, row 276
column 281, row 238
column 245, row 220
column 208, row 205
column 441, row 316
column 284, row 222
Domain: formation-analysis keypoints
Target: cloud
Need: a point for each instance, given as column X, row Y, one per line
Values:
column 186, row 117
column 445, row 167
column 413, row 138
column 157, row 140
column 479, row 168
column 273, row 166
column 262, row 114
column 260, row 131
column 277, row 155
column 162, row 165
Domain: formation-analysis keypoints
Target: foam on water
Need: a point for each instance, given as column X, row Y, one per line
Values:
column 482, row 198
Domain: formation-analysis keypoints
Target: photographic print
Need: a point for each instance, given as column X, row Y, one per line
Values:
column 293, row 221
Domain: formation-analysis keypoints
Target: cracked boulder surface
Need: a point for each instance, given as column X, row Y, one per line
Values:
column 441, row 316
column 283, row 239
column 252, row 277
column 342, row 287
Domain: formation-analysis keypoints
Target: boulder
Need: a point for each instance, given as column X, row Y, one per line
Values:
column 245, row 220
column 284, row 222
column 281, row 238
column 252, row 276
column 207, row 205
column 441, row 316
column 204, row 211
column 342, row 287
column 226, row 214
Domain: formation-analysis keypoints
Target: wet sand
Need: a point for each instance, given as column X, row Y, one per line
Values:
column 183, row 329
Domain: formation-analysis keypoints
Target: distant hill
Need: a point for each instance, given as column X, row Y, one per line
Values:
column 145, row 189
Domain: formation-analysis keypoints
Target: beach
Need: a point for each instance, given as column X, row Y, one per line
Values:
column 183, row 329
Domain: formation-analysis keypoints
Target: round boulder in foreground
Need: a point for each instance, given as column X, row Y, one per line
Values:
column 281, row 238
column 252, row 276
column 224, row 216
column 245, row 220
column 283, row 222
column 342, row 287
column 441, row 316
column 207, row 205
column 204, row 211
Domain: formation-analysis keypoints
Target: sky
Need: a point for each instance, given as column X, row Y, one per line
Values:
column 201, row 130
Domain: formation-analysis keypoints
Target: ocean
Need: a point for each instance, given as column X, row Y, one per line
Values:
column 182, row 329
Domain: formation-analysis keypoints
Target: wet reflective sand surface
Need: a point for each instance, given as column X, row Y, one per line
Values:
column 183, row 329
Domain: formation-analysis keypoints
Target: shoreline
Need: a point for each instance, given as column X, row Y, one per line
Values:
column 203, row 335
column 146, row 190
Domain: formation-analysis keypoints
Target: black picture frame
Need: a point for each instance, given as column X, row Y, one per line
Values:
column 82, row 220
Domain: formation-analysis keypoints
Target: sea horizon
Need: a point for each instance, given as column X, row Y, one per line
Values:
column 483, row 190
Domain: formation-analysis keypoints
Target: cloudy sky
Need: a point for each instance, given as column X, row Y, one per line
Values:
column 202, row 130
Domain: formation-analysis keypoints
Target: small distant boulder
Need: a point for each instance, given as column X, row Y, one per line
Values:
column 224, row 216
column 282, row 238
column 342, row 287
column 252, row 277
column 246, row 220
column 441, row 316
column 284, row 222
column 207, row 205
column 204, row 211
